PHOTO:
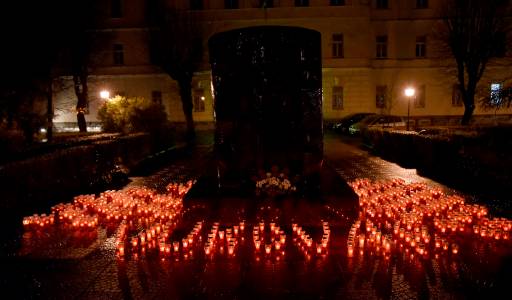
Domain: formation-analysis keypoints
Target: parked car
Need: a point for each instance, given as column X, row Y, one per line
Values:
column 343, row 125
column 380, row 121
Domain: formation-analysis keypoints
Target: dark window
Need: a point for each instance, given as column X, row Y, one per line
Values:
column 199, row 100
column 156, row 96
column 118, row 55
column 337, row 45
column 380, row 96
column 382, row 46
column 196, row 4
column 382, row 4
column 421, row 3
column 116, row 8
column 500, row 44
column 419, row 98
column 421, row 46
column 267, row 3
column 301, row 2
column 337, row 2
column 337, row 97
column 456, row 96
column 231, row 4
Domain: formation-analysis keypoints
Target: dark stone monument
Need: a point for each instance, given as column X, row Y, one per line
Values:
column 267, row 85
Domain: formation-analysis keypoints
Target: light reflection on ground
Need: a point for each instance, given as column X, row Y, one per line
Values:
column 76, row 266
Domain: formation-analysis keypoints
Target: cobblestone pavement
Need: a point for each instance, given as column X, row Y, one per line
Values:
column 64, row 268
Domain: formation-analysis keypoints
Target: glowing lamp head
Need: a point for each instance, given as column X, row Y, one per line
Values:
column 409, row 92
column 104, row 94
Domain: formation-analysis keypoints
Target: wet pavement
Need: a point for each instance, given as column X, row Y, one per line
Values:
column 86, row 266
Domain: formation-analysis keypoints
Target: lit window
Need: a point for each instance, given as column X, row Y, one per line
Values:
column 337, row 45
column 381, row 96
column 118, row 54
column 456, row 96
column 337, row 2
column 337, row 97
column 382, row 46
column 421, row 3
column 496, row 93
column 156, row 96
column 421, row 46
column 419, row 98
column 301, row 2
column 231, row 4
column 116, row 8
column 199, row 100
column 382, row 4
column 196, row 4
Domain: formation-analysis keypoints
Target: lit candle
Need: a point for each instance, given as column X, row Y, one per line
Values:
column 277, row 245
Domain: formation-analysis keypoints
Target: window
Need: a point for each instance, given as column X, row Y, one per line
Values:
column 456, row 96
column 382, row 4
column 381, row 96
column 419, row 99
column 301, row 2
column 196, row 4
column 337, row 97
column 500, row 44
column 118, row 55
column 421, row 3
column 337, row 45
column 421, row 46
column 382, row 46
column 266, row 3
column 156, row 96
column 337, row 2
column 231, row 4
column 496, row 93
column 116, row 9
column 199, row 100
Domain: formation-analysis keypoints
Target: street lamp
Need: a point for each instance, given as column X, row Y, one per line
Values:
column 105, row 94
column 409, row 93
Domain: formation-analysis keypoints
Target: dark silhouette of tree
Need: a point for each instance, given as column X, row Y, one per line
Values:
column 32, row 37
column 176, row 45
column 80, row 50
column 475, row 31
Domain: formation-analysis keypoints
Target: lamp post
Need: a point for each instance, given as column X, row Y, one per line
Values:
column 105, row 94
column 409, row 93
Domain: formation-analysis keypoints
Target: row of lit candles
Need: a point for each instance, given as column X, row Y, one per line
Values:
column 122, row 209
column 413, row 209
column 304, row 241
column 276, row 239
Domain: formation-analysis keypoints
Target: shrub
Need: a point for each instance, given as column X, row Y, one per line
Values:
column 122, row 114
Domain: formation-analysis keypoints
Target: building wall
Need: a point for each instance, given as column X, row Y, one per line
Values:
column 358, row 72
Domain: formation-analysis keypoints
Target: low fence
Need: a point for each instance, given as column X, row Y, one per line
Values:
column 478, row 158
column 78, row 169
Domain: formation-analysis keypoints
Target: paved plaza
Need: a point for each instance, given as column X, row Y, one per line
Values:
column 87, row 266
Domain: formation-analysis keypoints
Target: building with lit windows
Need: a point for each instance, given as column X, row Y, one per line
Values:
column 371, row 51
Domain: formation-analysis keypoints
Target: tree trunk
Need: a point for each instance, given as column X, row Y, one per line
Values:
column 49, row 113
column 186, row 101
column 469, row 102
column 468, row 113
column 81, row 92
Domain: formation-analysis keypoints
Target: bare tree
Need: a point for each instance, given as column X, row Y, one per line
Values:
column 176, row 43
column 81, row 48
column 474, row 31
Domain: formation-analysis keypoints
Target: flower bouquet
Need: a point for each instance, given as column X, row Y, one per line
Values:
column 274, row 183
